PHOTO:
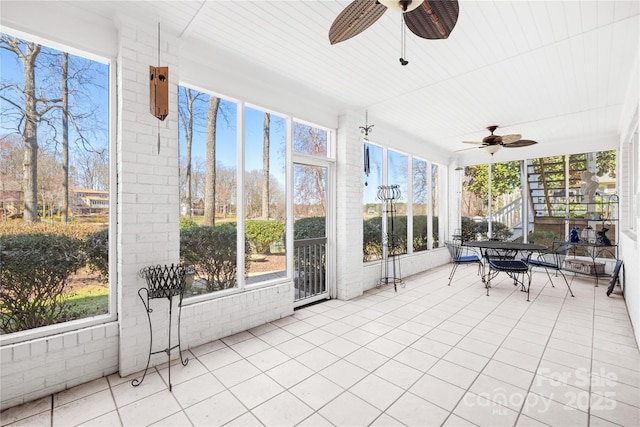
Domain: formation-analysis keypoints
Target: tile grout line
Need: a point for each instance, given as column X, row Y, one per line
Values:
column 494, row 353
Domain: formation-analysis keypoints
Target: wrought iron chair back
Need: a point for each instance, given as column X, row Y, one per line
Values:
column 461, row 255
column 503, row 260
column 553, row 260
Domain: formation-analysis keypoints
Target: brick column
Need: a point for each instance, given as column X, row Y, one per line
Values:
column 349, row 206
column 148, row 199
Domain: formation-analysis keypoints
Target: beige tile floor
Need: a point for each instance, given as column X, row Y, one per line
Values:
column 428, row 354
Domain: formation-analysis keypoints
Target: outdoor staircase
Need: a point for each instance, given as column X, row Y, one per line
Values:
column 547, row 178
column 551, row 199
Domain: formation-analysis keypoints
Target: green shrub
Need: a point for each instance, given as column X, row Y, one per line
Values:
column 187, row 223
column 472, row 231
column 96, row 248
column 545, row 238
column 212, row 252
column 34, row 269
column 262, row 233
column 371, row 239
column 420, row 232
column 309, row 228
column 75, row 229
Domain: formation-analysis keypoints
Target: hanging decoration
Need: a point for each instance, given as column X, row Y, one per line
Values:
column 365, row 130
column 159, row 90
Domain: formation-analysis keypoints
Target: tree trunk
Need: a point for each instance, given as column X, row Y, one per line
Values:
column 265, row 166
column 210, row 174
column 64, row 208
column 189, row 141
column 317, row 172
column 30, row 135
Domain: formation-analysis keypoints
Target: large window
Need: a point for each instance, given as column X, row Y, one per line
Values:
column 265, row 193
column 397, row 223
column 208, row 177
column 419, row 206
column 415, row 224
column 504, row 205
column 372, row 206
column 308, row 139
column 577, row 190
column 54, row 185
column 435, row 206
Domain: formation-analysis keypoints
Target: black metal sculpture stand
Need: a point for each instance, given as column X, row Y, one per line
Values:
column 390, row 267
column 163, row 282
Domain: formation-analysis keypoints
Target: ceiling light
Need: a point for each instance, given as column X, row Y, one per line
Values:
column 401, row 5
column 492, row 149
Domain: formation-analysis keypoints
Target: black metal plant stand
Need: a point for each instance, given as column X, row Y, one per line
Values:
column 390, row 265
column 163, row 281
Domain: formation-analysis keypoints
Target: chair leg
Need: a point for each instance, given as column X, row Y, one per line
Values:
column 453, row 271
column 563, row 277
column 528, row 284
column 488, row 284
column 549, row 276
column 565, row 281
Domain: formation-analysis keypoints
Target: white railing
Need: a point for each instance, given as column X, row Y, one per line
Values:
column 310, row 268
column 509, row 215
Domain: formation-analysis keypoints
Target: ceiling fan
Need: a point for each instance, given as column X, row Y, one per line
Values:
column 429, row 19
column 492, row 143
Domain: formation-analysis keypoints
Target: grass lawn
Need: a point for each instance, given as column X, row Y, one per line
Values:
column 88, row 300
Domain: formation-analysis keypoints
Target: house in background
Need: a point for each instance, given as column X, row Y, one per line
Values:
column 87, row 201
column 10, row 198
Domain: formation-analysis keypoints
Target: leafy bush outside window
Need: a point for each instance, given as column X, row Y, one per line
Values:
column 474, row 231
column 211, row 251
column 34, row 272
column 262, row 234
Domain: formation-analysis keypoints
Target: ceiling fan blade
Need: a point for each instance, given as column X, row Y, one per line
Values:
column 473, row 142
column 520, row 143
column 433, row 19
column 354, row 19
column 467, row 149
column 509, row 139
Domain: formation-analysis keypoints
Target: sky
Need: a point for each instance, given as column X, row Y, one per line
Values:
column 226, row 141
column 226, row 137
column 94, row 97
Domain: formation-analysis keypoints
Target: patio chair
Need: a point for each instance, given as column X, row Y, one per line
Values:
column 502, row 260
column 553, row 260
column 461, row 255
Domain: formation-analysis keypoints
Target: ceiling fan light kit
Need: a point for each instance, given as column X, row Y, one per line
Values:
column 492, row 149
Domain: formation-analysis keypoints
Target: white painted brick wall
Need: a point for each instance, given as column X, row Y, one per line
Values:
column 409, row 265
column 349, row 206
column 37, row 368
column 148, row 191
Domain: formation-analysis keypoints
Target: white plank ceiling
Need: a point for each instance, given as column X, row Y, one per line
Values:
column 554, row 71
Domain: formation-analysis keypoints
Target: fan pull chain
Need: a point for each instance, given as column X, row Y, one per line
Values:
column 403, row 41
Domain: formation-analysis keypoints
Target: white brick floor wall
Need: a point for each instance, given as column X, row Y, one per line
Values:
column 43, row 366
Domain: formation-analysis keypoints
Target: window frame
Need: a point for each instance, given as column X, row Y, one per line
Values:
column 112, row 314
